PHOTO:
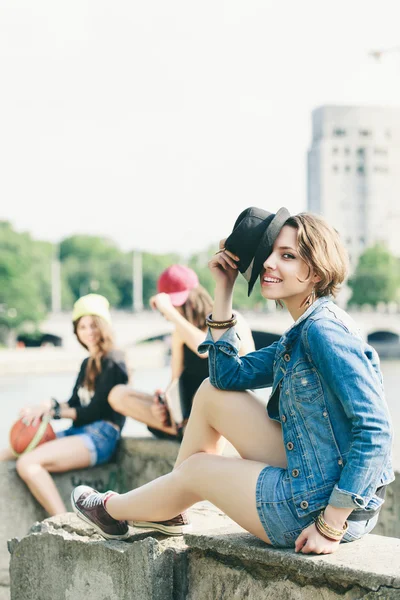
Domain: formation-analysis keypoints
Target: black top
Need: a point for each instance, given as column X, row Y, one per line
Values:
column 195, row 370
column 94, row 406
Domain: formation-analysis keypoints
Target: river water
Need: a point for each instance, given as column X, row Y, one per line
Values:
column 18, row 391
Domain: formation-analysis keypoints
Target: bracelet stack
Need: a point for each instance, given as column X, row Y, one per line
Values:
column 328, row 532
column 221, row 324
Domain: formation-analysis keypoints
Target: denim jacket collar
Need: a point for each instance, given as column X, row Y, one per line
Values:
column 293, row 330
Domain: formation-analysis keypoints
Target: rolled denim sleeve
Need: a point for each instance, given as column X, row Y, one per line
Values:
column 345, row 364
column 228, row 371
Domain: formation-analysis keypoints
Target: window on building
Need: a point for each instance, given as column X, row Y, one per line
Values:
column 337, row 132
column 335, row 150
column 348, row 241
column 347, row 150
column 362, row 239
column 361, row 169
column 388, row 134
column 335, row 168
column 380, row 151
column 360, row 151
column 347, row 168
column 365, row 132
column 379, row 169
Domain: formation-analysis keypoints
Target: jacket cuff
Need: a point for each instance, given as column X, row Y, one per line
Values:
column 343, row 499
column 229, row 342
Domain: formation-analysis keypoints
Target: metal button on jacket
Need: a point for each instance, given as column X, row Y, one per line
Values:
column 295, row 473
column 283, row 418
column 325, row 414
column 340, row 461
column 290, row 445
column 287, row 357
column 304, row 504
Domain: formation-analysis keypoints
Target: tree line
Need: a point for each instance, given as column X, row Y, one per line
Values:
column 96, row 264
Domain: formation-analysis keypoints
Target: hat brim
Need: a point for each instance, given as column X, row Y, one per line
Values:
column 266, row 244
column 179, row 298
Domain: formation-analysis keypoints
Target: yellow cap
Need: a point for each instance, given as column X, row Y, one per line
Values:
column 92, row 304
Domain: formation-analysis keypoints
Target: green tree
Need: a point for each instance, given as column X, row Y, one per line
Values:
column 376, row 278
column 24, row 279
column 89, row 265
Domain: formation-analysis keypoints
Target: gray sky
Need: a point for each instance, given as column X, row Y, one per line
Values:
column 155, row 123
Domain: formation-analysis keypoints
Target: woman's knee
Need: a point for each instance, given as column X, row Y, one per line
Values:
column 209, row 396
column 116, row 396
column 192, row 465
column 26, row 466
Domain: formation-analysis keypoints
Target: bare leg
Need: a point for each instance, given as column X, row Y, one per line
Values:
column 53, row 457
column 229, row 483
column 136, row 405
column 241, row 418
column 6, row 454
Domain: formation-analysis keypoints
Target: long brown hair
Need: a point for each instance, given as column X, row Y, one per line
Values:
column 198, row 305
column 105, row 345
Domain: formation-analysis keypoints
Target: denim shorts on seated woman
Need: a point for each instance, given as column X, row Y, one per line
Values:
column 100, row 438
column 278, row 515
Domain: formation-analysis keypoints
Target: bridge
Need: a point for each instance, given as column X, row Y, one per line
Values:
column 131, row 328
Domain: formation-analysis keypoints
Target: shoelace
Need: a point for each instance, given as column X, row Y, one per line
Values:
column 91, row 500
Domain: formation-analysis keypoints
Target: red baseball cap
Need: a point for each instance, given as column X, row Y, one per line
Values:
column 177, row 281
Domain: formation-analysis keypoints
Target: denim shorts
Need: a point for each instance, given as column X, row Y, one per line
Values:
column 100, row 438
column 277, row 511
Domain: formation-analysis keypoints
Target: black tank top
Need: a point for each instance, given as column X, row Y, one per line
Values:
column 195, row 370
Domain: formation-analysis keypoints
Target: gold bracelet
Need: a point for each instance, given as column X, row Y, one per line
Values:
column 329, row 531
column 332, row 529
column 324, row 534
column 328, row 528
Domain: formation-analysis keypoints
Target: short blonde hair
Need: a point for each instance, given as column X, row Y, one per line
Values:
column 321, row 248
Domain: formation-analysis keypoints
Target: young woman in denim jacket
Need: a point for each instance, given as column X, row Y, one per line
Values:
column 323, row 446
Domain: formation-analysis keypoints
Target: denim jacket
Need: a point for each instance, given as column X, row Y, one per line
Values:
column 327, row 393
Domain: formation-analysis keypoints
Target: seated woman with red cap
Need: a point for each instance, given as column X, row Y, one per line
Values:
column 92, row 439
column 184, row 302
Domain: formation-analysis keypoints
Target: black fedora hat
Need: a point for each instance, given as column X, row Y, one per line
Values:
column 252, row 239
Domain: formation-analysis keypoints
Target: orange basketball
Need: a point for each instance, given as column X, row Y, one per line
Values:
column 24, row 438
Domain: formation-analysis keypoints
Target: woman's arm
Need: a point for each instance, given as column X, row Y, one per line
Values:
column 343, row 361
column 187, row 332
column 227, row 370
column 176, row 355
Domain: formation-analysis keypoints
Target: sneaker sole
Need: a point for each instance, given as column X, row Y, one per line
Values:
column 107, row 536
column 167, row 529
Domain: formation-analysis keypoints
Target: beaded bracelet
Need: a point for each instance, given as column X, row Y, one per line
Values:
column 221, row 324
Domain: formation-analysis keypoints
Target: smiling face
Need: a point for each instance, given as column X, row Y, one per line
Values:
column 88, row 332
column 285, row 275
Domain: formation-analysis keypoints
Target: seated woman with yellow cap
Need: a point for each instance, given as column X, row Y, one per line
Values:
column 96, row 427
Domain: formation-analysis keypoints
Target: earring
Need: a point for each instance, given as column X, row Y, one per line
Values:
column 309, row 300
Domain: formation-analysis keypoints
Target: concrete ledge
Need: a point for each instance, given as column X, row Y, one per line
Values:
column 63, row 558
column 224, row 564
column 138, row 461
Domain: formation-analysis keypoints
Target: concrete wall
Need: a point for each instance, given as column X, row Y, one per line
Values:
column 138, row 461
column 63, row 558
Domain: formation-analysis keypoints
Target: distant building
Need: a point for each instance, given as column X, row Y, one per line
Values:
column 354, row 174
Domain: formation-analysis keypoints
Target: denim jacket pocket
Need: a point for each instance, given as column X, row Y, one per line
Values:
column 306, row 385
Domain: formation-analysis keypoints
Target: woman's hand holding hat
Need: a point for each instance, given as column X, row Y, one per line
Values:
column 223, row 266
